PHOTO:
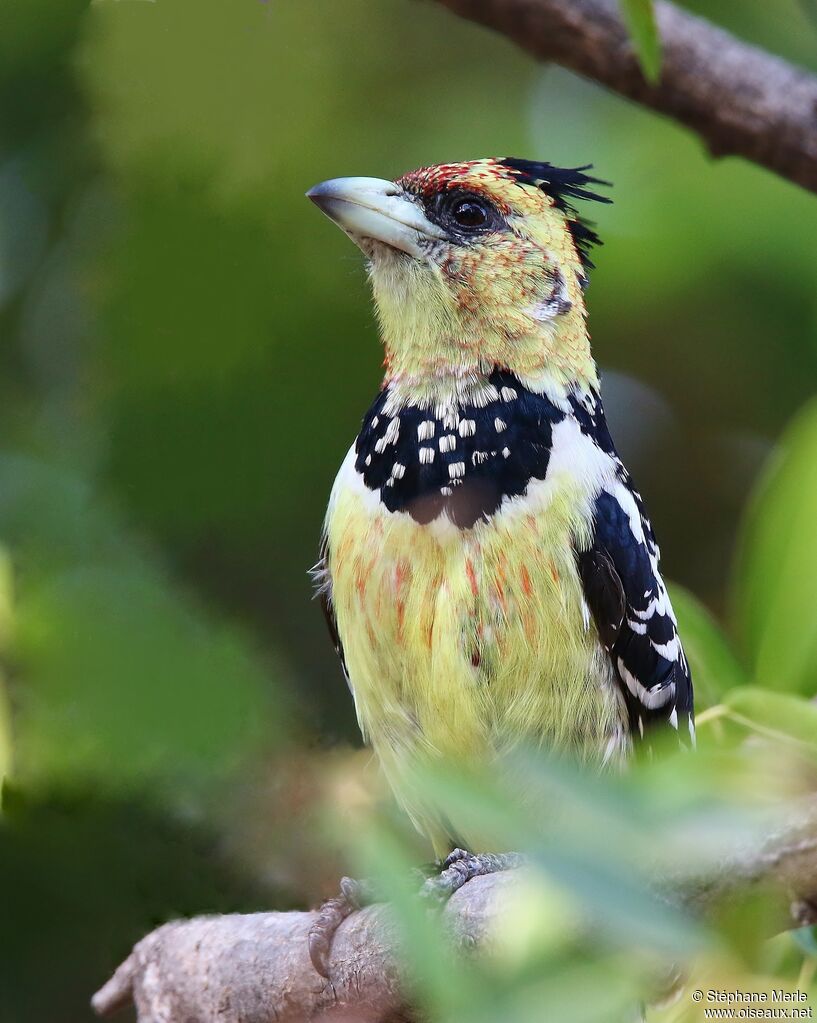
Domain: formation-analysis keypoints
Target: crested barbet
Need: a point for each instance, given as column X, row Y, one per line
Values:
column 488, row 570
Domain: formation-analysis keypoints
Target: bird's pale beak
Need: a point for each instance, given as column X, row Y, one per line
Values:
column 374, row 209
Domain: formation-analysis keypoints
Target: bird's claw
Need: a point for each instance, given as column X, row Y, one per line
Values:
column 448, row 877
column 351, row 897
column 460, row 866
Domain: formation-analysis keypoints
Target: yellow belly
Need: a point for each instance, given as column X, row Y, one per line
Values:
column 461, row 644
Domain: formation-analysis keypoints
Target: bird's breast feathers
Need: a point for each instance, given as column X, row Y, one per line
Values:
column 451, row 540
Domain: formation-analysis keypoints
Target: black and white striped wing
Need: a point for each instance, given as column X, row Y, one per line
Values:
column 634, row 619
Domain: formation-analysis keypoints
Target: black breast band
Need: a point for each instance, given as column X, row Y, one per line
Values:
column 463, row 463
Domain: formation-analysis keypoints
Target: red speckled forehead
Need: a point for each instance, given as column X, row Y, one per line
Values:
column 486, row 176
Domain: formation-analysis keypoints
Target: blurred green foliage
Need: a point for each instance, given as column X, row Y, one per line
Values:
column 581, row 936
column 187, row 351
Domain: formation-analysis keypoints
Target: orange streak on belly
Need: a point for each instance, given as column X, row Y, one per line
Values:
column 499, row 585
column 402, row 574
column 343, row 551
column 362, row 575
column 472, row 576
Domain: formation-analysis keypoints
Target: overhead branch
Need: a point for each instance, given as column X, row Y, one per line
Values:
column 256, row 968
column 740, row 99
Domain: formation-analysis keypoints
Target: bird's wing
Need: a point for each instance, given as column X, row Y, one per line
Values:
column 323, row 591
column 632, row 612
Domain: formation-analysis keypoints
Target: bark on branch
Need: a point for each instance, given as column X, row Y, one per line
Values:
column 255, row 968
column 740, row 99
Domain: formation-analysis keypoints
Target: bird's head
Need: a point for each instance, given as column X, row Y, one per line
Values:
column 474, row 266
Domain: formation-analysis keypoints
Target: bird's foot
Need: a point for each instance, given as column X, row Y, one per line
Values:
column 438, row 883
column 460, row 866
column 353, row 895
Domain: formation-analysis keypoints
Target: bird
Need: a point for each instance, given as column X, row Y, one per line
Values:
column 488, row 571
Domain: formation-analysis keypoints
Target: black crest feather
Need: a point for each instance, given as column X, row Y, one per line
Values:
column 563, row 185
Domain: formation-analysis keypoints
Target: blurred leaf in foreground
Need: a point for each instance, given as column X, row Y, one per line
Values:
column 534, row 959
column 588, row 930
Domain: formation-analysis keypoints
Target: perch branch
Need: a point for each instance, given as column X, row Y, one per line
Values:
column 739, row 99
column 255, row 968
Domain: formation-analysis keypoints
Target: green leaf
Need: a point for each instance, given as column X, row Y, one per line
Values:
column 441, row 980
column 714, row 665
column 775, row 578
column 775, row 715
column 579, row 832
column 639, row 16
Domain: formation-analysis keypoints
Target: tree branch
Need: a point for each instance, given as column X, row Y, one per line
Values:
column 255, row 968
column 740, row 99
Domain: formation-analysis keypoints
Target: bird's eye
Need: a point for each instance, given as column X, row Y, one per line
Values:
column 464, row 215
column 469, row 213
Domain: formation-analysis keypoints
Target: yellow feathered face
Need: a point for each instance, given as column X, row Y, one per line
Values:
column 473, row 265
